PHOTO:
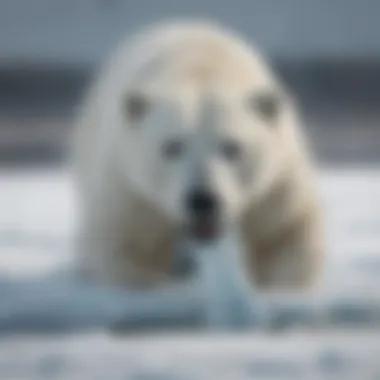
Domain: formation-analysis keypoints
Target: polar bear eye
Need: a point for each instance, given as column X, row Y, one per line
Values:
column 173, row 149
column 230, row 150
column 135, row 107
column 267, row 104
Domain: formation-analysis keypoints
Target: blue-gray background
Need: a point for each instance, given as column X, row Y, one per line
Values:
column 82, row 31
column 328, row 52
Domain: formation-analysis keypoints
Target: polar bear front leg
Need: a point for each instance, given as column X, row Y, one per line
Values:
column 117, row 260
column 291, row 260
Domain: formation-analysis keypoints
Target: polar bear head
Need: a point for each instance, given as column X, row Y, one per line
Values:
column 204, row 128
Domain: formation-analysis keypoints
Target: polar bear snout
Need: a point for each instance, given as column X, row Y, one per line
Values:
column 203, row 209
column 202, row 203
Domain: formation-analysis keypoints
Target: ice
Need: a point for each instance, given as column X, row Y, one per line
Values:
column 39, row 293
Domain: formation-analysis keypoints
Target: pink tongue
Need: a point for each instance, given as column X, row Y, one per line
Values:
column 204, row 230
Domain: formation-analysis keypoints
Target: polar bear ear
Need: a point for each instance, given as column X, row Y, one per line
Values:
column 267, row 104
column 135, row 106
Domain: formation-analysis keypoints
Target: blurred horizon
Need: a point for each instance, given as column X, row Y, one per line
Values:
column 327, row 53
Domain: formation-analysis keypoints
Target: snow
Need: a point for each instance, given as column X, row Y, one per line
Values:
column 97, row 356
column 38, row 294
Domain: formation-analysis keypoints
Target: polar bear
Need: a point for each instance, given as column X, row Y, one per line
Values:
column 187, row 130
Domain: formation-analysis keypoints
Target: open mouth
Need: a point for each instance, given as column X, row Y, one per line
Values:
column 204, row 229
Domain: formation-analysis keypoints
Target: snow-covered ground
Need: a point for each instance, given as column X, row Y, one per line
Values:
column 37, row 223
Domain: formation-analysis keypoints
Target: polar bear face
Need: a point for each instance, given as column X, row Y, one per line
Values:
column 202, row 156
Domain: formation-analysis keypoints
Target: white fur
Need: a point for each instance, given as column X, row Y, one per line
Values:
column 196, row 77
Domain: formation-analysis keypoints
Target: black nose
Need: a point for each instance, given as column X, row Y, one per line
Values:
column 202, row 203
